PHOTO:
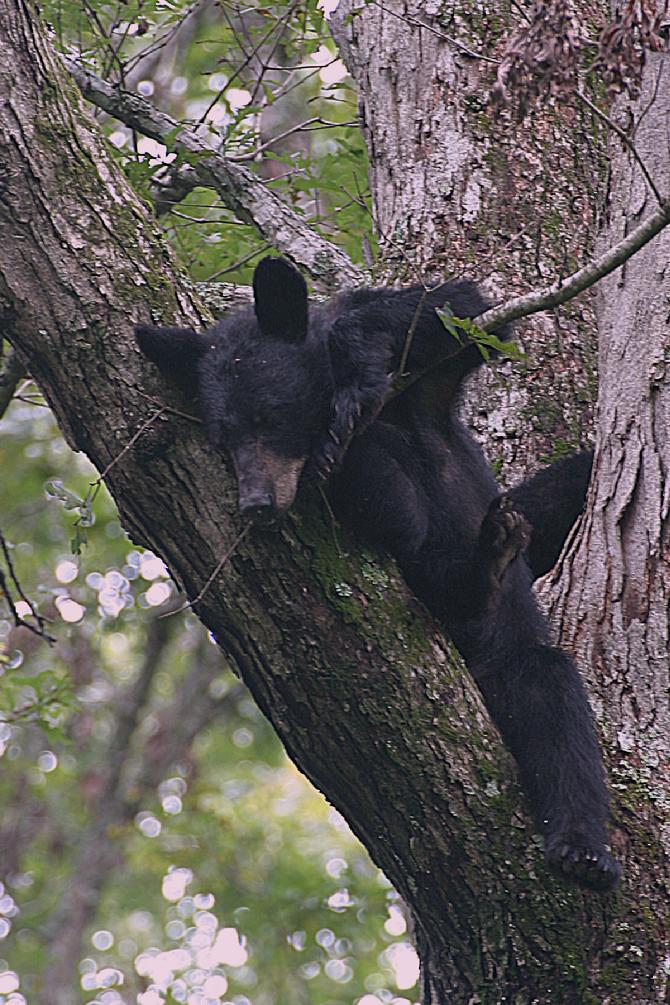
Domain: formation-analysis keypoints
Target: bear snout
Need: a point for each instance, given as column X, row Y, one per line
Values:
column 267, row 483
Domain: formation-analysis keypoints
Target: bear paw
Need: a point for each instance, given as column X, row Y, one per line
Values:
column 505, row 533
column 579, row 861
column 323, row 462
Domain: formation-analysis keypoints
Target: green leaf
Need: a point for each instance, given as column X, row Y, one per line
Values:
column 56, row 490
column 465, row 330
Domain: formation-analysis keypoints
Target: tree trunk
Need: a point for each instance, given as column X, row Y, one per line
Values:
column 454, row 181
column 348, row 668
column 614, row 592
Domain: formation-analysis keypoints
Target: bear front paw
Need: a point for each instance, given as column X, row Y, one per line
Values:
column 323, row 461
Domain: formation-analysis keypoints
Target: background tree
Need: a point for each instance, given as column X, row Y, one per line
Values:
column 319, row 635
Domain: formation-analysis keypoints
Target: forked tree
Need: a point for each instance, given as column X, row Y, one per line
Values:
column 366, row 694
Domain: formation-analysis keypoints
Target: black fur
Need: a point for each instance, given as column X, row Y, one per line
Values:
column 283, row 392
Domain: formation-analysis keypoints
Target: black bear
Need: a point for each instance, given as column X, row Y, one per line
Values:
column 295, row 391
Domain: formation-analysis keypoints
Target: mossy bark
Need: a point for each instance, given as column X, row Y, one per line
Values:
column 365, row 693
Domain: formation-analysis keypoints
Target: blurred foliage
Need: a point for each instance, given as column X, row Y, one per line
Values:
column 138, row 777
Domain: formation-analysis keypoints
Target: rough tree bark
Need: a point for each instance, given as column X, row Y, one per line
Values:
column 345, row 664
column 613, row 596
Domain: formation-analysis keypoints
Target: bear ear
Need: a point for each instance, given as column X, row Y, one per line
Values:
column 175, row 351
column 280, row 300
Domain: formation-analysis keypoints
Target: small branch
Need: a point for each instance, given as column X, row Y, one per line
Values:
column 276, row 28
column 129, row 445
column 11, row 375
column 37, row 629
column 409, row 338
column 239, row 189
column 301, row 127
column 168, row 409
column 239, row 263
column 555, row 295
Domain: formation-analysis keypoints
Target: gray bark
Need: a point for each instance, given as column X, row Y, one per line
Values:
column 614, row 594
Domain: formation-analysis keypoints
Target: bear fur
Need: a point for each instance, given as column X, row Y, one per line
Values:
column 296, row 392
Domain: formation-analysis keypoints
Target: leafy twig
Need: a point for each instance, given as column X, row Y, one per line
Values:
column 556, row 294
column 560, row 292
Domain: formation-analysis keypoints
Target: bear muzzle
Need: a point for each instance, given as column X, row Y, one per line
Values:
column 266, row 482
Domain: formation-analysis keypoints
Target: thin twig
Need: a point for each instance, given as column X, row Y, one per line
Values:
column 20, row 622
column 278, row 25
column 161, row 42
column 415, row 23
column 333, row 521
column 215, row 573
column 129, row 445
column 168, row 408
column 239, row 263
column 625, row 139
column 299, row 128
column 409, row 337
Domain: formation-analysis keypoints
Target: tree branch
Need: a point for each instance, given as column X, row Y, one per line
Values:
column 239, row 189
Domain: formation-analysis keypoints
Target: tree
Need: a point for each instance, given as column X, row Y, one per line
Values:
column 342, row 661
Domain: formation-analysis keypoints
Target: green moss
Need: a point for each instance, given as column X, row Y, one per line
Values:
column 560, row 448
column 362, row 586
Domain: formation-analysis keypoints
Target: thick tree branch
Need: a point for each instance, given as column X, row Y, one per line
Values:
column 239, row 189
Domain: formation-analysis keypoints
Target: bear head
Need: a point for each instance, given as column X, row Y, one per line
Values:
column 263, row 381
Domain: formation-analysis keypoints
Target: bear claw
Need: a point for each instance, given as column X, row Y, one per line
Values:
column 505, row 533
column 589, row 866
